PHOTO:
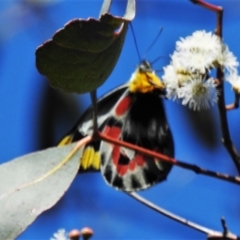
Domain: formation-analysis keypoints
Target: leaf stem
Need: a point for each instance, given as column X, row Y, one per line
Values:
column 105, row 7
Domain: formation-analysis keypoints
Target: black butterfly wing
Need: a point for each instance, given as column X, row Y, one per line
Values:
column 139, row 119
column 91, row 157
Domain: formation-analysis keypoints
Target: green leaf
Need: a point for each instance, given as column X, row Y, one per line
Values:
column 32, row 184
column 81, row 56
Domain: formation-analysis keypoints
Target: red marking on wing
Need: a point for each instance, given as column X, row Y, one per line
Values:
column 132, row 165
column 123, row 106
column 139, row 159
column 116, row 154
column 122, row 169
column 106, row 130
column 113, row 132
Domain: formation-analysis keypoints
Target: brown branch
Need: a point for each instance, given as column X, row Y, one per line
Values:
column 235, row 104
column 207, row 5
column 169, row 214
column 226, row 138
column 165, row 158
column 94, row 105
column 209, row 232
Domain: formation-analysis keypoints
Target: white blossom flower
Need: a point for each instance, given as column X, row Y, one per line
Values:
column 192, row 62
column 200, row 41
column 173, row 78
column 199, row 52
column 60, row 235
column 203, row 51
column 171, row 81
column 228, row 60
column 198, row 94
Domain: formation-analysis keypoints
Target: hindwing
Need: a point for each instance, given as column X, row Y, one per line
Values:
column 138, row 119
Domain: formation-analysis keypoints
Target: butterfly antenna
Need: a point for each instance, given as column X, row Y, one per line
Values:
column 160, row 70
column 135, row 41
column 155, row 40
column 157, row 59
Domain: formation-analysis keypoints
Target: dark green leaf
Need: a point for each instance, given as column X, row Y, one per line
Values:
column 32, row 184
column 81, row 56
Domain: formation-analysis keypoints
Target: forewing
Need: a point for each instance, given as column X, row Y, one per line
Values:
column 84, row 126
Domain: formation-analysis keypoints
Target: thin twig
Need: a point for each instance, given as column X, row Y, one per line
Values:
column 235, row 104
column 94, row 105
column 169, row 214
column 165, row 158
column 224, row 225
column 207, row 5
column 209, row 232
column 226, row 138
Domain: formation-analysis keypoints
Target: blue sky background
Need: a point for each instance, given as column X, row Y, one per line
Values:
column 33, row 116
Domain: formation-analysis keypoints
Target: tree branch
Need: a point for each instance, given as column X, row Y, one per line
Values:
column 165, row 158
column 235, row 104
column 226, row 138
column 211, row 234
column 207, row 5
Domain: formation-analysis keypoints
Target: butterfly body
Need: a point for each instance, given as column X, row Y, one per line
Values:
column 133, row 113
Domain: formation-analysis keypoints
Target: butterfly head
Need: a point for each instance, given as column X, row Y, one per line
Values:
column 145, row 80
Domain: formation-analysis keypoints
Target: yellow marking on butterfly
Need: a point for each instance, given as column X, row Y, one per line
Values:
column 90, row 159
column 144, row 82
column 66, row 140
column 96, row 161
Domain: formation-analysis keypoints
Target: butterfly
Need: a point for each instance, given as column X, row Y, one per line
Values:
column 133, row 113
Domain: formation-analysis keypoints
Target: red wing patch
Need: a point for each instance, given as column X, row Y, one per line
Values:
column 123, row 106
column 113, row 132
column 123, row 173
column 139, row 159
column 123, row 164
column 116, row 155
column 122, row 170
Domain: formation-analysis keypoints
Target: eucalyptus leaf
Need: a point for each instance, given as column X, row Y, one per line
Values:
column 81, row 56
column 32, row 184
